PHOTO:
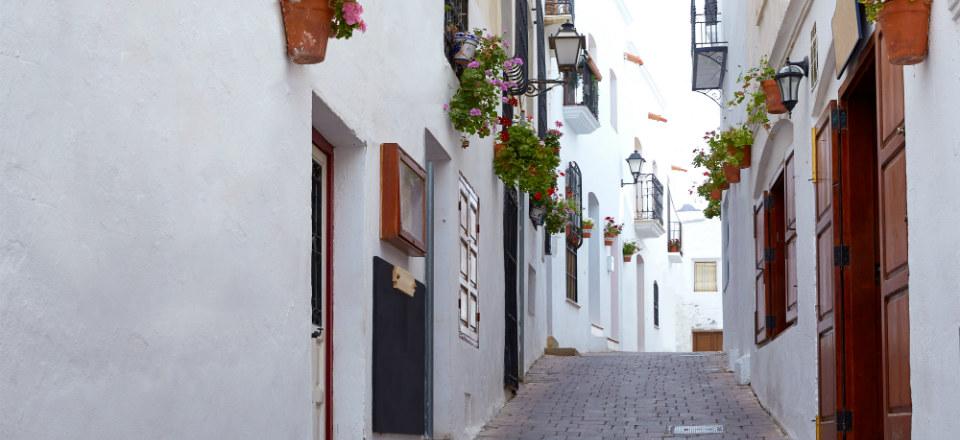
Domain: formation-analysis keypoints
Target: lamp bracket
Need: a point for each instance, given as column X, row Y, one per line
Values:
column 537, row 87
column 803, row 64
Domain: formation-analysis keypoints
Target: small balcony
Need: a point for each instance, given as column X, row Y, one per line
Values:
column 558, row 12
column 581, row 99
column 648, row 220
column 675, row 241
column 709, row 48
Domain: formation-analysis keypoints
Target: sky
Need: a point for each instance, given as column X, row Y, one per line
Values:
column 661, row 32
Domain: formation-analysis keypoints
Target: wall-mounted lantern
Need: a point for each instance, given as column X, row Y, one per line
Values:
column 635, row 162
column 568, row 47
column 788, row 78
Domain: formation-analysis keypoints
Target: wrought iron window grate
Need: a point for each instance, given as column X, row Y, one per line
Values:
column 650, row 198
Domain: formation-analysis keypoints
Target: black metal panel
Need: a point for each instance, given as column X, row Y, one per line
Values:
column 656, row 304
column 316, row 254
column 708, row 47
column 521, row 47
column 399, row 366
column 511, row 348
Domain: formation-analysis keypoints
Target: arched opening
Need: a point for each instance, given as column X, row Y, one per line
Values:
column 595, row 253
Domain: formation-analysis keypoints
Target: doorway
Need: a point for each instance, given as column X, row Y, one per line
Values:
column 867, row 301
column 321, row 280
column 641, row 307
column 511, row 347
column 707, row 340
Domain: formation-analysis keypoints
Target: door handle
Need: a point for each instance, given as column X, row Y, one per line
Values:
column 317, row 333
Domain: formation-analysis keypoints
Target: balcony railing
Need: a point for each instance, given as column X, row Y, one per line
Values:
column 709, row 48
column 583, row 89
column 650, row 198
column 559, row 7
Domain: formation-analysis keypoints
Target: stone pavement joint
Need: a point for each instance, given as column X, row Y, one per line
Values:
column 630, row 396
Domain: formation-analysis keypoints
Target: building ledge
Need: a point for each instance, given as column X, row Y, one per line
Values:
column 580, row 119
column 675, row 257
column 647, row 228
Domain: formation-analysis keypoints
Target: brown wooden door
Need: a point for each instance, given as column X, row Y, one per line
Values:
column 827, row 189
column 893, row 270
column 708, row 340
column 760, row 293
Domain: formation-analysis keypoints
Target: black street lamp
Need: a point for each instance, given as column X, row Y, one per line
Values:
column 635, row 162
column 788, row 78
column 568, row 47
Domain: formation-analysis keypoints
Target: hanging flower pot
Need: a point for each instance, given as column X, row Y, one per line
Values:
column 747, row 157
column 466, row 45
column 725, row 185
column 774, row 100
column 716, row 195
column 906, row 26
column 587, row 233
column 627, row 258
column 514, row 72
column 587, row 227
column 731, row 172
column 307, row 24
column 498, row 148
column 608, row 239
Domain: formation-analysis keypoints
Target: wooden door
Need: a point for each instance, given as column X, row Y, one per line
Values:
column 707, row 340
column 321, row 348
column 893, row 269
column 827, row 190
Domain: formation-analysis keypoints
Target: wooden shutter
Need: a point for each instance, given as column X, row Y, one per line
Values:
column 469, row 215
column 894, row 272
column 789, row 192
column 759, row 237
column 827, row 191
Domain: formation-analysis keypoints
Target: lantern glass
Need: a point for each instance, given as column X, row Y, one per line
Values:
column 567, row 45
column 788, row 78
column 635, row 162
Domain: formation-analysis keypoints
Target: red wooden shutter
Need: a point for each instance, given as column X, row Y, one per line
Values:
column 791, row 240
column 759, row 236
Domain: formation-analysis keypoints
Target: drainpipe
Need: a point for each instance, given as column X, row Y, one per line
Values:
column 428, row 351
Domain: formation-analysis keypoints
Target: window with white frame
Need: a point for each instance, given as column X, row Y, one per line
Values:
column 705, row 276
column 469, row 207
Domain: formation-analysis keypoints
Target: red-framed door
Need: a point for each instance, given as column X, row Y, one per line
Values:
column 322, row 287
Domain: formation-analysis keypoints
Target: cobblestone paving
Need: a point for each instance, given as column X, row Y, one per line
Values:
column 630, row 396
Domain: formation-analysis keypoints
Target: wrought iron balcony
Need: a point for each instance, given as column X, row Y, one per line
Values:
column 581, row 99
column 558, row 11
column 709, row 49
column 649, row 217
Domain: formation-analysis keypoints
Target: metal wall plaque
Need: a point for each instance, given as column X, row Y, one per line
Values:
column 698, row 429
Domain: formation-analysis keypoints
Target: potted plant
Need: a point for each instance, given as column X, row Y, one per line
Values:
column 611, row 230
column 473, row 108
column 740, row 145
column 525, row 161
column 558, row 212
column 731, row 172
column 629, row 249
column 905, row 25
column 308, row 24
column 466, row 47
column 587, row 227
column 760, row 91
column 673, row 245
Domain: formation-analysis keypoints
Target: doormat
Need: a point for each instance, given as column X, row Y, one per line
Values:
column 698, row 429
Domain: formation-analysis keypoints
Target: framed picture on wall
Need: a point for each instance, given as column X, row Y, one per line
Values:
column 403, row 196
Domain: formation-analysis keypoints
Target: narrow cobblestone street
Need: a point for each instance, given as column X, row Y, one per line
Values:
column 631, row 396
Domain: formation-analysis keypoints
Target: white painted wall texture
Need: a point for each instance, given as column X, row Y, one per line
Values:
column 783, row 372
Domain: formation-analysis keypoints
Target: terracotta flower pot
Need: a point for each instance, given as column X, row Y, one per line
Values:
column 716, row 195
column 587, row 232
column 732, row 151
column 906, row 26
column 307, row 24
column 608, row 239
column 627, row 258
column 497, row 148
column 747, row 157
column 774, row 100
column 672, row 248
column 731, row 172
column 725, row 185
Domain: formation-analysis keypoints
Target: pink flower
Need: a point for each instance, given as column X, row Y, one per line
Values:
column 505, row 100
column 518, row 61
column 559, row 124
column 507, row 64
column 351, row 13
column 474, row 64
column 363, row 26
column 475, row 112
column 446, row 107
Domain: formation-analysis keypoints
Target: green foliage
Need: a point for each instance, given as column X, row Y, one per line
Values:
column 752, row 93
column 630, row 248
column 525, row 161
column 559, row 211
column 473, row 109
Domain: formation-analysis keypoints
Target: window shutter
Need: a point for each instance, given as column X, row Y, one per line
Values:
column 760, row 294
column 791, row 239
column 469, row 227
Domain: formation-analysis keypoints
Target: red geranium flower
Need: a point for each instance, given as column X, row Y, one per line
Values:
column 537, row 196
column 505, row 136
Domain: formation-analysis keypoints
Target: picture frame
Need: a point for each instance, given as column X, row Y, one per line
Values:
column 403, row 194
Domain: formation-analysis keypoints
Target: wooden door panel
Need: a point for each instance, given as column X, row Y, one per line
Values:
column 827, row 349
column 760, row 316
column 825, row 279
column 893, row 187
column 896, row 329
column 890, row 94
